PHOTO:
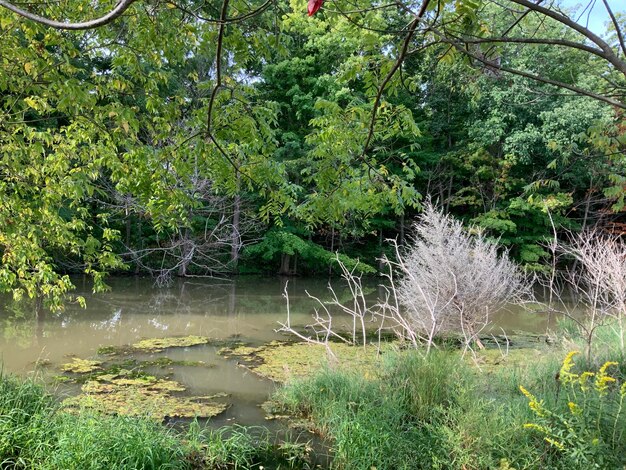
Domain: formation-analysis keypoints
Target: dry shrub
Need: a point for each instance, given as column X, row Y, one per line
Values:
column 451, row 281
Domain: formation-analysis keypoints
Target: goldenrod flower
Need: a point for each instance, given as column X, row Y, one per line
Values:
column 565, row 373
column 574, row 408
column 555, row 443
column 582, row 380
column 537, row 427
column 605, row 366
column 533, row 403
column 603, row 380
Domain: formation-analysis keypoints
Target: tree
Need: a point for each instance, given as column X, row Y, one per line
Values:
column 148, row 100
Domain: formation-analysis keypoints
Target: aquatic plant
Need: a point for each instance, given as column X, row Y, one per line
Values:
column 145, row 396
column 159, row 344
column 81, row 366
column 280, row 361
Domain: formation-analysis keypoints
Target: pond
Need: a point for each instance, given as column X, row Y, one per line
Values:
column 244, row 310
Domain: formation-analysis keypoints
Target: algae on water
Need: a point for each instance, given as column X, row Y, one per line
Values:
column 81, row 366
column 142, row 396
column 280, row 361
column 159, row 344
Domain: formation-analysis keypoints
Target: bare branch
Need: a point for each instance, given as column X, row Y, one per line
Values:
column 555, row 42
column 119, row 9
column 618, row 30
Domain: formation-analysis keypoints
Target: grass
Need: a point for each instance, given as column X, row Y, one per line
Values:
column 35, row 434
column 414, row 412
column 441, row 412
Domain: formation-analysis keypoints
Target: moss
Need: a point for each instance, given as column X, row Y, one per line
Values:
column 142, row 396
column 159, row 344
column 281, row 361
column 167, row 362
column 81, row 366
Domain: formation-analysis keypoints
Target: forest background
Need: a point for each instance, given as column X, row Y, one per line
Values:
column 203, row 138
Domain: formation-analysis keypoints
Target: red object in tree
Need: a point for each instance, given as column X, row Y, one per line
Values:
column 314, row 5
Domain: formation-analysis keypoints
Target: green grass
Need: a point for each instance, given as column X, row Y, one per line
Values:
column 438, row 412
column 36, row 435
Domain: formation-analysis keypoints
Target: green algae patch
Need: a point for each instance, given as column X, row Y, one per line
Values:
column 81, row 366
column 239, row 351
column 159, row 344
column 142, row 396
column 490, row 359
column 280, row 362
column 163, row 362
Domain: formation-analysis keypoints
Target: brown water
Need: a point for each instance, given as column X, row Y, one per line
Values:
column 134, row 309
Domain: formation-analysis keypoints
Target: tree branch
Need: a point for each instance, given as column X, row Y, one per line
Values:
column 555, row 42
column 575, row 89
column 120, row 8
column 401, row 56
column 620, row 36
column 608, row 53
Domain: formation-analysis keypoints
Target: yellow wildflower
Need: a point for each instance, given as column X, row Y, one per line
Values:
column 582, row 380
column 602, row 379
column 555, row 443
column 526, row 393
column 565, row 373
column 622, row 390
column 574, row 408
column 605, row 366
column 533, row 403
column 537, row 427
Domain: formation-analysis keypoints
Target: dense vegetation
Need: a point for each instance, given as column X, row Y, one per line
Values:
column 36, row 434
column 524, row 408
column 172, row 142
column 438, row 411
column 198, row 137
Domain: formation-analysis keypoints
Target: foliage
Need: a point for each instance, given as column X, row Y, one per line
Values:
column 167, row 142
column 585, row 426
column 278, row 244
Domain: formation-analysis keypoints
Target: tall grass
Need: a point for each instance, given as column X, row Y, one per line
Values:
column 26, row 414
column 36, row 435
column 433, row 412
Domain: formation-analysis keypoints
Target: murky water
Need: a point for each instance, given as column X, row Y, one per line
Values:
column 134, row 309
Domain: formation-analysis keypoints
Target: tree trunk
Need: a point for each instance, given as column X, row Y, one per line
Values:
column 285, row 263
column 235, row 238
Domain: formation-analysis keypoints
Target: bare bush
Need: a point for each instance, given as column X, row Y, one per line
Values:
column 446, row 282
column 452, row 281
column 593, row 292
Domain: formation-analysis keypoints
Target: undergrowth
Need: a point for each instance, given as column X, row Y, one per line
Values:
column 441, row 412
column 36, row 435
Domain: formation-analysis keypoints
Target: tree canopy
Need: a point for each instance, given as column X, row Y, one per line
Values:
column 194, row 137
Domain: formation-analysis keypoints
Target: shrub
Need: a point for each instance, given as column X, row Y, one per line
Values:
column 585, row 426
column 452, row 281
